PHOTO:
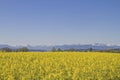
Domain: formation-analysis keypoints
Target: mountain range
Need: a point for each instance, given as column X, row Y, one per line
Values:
column 96, row 46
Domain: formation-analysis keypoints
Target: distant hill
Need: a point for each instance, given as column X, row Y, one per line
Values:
column 65, row 47
column 3, row 46
column 98, row 47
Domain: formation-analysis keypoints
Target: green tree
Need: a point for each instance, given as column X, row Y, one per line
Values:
column 59, row 50
column 71, row 49
column 53, row 49
column 90, row 49
column 23, row 49
column 6, row 49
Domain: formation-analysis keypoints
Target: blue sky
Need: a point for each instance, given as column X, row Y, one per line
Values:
column 51, row 22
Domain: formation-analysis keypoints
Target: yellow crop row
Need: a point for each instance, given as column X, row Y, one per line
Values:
column 59, row 66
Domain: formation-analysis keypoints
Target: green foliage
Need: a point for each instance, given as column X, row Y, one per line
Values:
column 71, row 49
column 59, row 50
column 23, row 49
column 90, row 49
column 53, row 49
column 6, row 49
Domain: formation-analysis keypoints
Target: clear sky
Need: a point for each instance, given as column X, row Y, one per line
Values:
column 51, row 22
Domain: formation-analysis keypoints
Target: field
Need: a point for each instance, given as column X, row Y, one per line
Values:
column 59, row 66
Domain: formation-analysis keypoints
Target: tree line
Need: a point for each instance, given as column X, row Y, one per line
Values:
column 85, row 50
column 25, row 49
column 22, row 49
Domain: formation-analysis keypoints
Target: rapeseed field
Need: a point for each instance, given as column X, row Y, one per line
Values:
column 59, row 66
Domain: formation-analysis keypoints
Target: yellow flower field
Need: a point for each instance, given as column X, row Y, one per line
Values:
column 59, row 66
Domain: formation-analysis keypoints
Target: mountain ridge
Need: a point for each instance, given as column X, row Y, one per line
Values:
column 66, row 46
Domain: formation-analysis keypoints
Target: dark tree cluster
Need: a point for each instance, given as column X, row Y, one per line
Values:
column 6, row 49
column 85, row 50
